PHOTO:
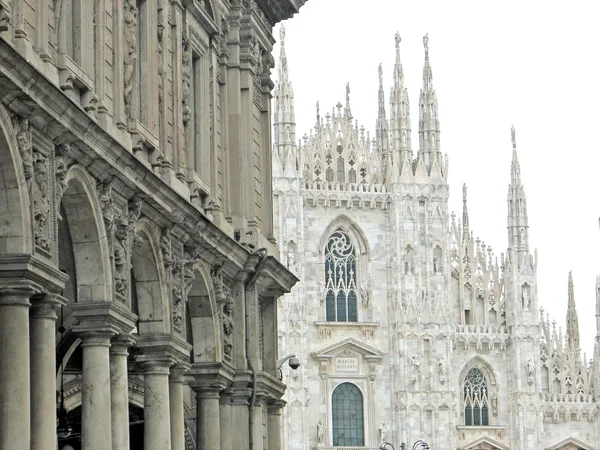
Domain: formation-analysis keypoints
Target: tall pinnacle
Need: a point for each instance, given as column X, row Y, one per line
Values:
column 284, row 121
column 382, row 137
column 572, row 321
column 465, row 213
column 429, row 127
column 518, row 223
column 598, row 311
column 400, row 130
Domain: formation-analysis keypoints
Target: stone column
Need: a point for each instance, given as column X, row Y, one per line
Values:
column 176, row 383
column 14, row 372
column 240, row 402
column 274, row 424
column 42, row 323
column 207, row 418
column 95, row 391
column 119, row 391
column 157, row 416
column 227, row 428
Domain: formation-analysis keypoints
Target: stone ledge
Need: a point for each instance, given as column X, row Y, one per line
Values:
column 109, row 317
column 167, row 345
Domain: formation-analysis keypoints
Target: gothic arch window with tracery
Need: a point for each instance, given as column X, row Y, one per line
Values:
column 347, row 416
column 476, row 399
column 340, row 279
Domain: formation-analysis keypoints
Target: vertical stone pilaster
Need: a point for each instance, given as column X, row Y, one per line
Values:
column 176, row 383
column 42, row 323
column 119, row 391
column 14, row 376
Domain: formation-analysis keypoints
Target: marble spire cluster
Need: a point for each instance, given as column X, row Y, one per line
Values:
column 338, row 150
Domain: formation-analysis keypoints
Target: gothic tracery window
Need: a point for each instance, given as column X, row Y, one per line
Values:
column 347, row 416
column 340, row 279
column 476, row 399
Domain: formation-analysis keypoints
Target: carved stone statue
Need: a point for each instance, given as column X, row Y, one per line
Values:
column 364, row 293
column 41, row 203
column 60, row 173
column 120, row 255
column 442, row 370
column 130, row 51
column 320, row 431
column 530, row 370
column 228, row 326
column 384, row 429
column 186, row 79
column 23, row 135
column 525, row 296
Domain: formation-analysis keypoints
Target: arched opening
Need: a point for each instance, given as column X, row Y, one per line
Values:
column 15, row 221
column 347, row 416
column 204, row 322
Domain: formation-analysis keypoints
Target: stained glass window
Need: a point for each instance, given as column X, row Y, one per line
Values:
column 476, row 399
column 347, row 416
column 340, row 279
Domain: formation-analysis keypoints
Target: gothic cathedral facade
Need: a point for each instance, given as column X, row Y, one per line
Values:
column 407, row 327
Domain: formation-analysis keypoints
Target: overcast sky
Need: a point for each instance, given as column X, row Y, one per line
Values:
column 534, row 64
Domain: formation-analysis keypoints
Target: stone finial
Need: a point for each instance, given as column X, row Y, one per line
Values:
column 513, row 136
column 348, row 92
column 282, row 34
column 426, row 43
column 380, row 75
column 398, row 39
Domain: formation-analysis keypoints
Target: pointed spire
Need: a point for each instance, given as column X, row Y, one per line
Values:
column 284, row 121
column 465, row 218
column 598, row 309
column 572, row 321
column 429, row 127
column 347, row 110
column 382, row 135
column 518, row 223
column 400, row 129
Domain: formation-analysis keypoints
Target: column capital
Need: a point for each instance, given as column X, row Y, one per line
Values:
column 275, row 406
column 165, row 344
column 119, row 345
column 210, row 376
column 46, row 305
column 17, row 295
column 95, row 338
column 111, row 317
column 178, row 371
column 31, row 271
column 155, row 364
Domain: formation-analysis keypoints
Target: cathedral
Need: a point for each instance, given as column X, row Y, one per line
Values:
column 406, row 326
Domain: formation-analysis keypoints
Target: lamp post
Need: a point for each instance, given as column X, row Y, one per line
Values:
column 416, row 445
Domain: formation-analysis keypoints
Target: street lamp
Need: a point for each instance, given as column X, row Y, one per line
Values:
column 416, row 445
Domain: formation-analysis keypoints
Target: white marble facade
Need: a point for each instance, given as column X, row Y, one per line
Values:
column 433, row 304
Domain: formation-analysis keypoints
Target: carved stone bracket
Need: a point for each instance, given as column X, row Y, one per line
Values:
column 4, row 17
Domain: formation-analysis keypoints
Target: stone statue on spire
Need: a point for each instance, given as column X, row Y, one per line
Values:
column 348, row 92
column 513, row 136
column 282, row 34
column 426, row 43
column 380, row 75
column 398, row 39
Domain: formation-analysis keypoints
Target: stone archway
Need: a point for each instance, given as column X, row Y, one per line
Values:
column 205, row 318
column 87, row 241
column 15, row 221
column 149, row 296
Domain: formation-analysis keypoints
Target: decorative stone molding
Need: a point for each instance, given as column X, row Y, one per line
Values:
column 129, row 51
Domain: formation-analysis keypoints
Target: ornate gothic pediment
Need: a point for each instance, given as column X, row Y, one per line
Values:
column 348, row 345
column 484, row 443
column 570, row 444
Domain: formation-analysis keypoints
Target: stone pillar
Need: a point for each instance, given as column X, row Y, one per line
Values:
column 227, row 428
column 176, row 383
column 274, row 423
column 240, row 402
column 14, row 370
column 98, row 323
column 207, row 418
column 157, row 415
column 42, row 323
column 119, row 391
column 95, row 391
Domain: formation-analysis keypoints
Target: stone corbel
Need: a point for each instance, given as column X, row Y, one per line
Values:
column 71, row 76
column 145, row 145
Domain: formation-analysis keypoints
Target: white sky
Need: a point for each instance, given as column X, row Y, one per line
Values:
column 530, row 63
